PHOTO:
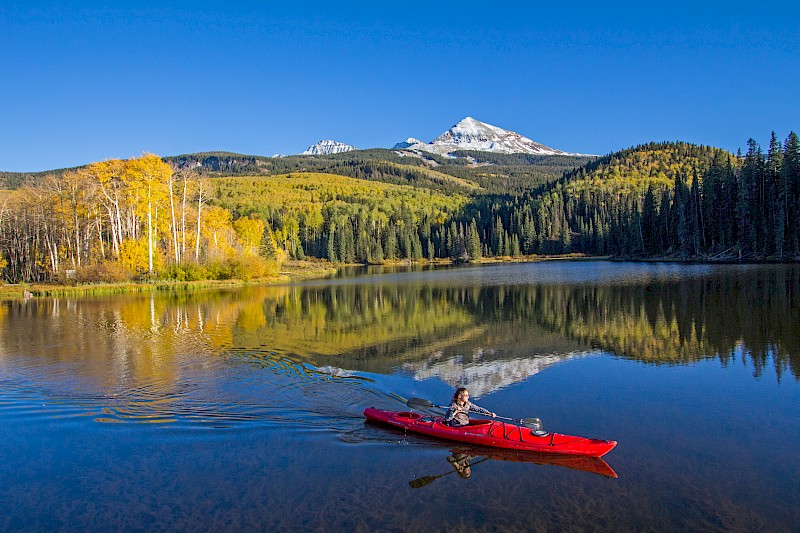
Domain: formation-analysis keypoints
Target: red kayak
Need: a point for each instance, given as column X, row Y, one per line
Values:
column 492, row 433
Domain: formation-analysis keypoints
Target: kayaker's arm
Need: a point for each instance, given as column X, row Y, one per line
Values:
column 480, row 410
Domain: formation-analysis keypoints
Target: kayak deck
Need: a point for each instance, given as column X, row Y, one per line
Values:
column 492, row 433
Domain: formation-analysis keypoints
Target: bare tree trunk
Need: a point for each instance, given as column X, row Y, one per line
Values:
column 175, row 248
column 183, row 215
column 149, row 234
column 100, row 234
column 200, row 190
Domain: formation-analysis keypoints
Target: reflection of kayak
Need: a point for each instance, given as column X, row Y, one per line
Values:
column 585, row 463
column 493, row 433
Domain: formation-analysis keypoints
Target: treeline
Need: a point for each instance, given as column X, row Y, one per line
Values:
column 144, row 217
column 656, row 200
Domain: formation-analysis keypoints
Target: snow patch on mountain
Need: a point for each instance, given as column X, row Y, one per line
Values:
column 327, row 146
column 411, row 141
column 472, row 134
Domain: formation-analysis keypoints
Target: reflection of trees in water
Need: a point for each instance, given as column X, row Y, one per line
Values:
column 679, row 320
column 436, row 329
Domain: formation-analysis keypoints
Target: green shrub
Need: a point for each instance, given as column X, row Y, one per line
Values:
column 190, row 271
column 218, row 270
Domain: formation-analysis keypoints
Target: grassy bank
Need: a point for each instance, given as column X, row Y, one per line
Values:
column 290, row 271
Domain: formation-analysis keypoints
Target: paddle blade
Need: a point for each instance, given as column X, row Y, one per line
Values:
column 419, row 403
column 422, row 481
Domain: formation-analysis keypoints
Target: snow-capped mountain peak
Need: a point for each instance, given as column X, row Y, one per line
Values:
column 328, row 146
column 411, row 141
column 472, row 134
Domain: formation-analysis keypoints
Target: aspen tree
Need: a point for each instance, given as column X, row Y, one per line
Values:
column 150, row 175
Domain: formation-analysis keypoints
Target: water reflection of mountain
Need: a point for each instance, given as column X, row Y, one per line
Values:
column 482, row 377
column 423, row 330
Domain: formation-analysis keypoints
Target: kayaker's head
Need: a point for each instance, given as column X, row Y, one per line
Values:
column 461, row 396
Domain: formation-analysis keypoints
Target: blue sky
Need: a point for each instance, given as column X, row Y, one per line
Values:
column 88, row 82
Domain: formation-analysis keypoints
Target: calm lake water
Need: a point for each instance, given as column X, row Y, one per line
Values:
column 241, row 410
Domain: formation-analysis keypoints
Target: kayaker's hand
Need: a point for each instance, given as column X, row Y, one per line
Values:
column 494, row 415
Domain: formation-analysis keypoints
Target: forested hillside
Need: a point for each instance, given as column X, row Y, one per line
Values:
column 494, row 173
column 344, row 219
column 672, row 200
column 144, row 217
column 467, row 171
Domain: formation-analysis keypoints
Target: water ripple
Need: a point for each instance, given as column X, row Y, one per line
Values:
column 234, row 389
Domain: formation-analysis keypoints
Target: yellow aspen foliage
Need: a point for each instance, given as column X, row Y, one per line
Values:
column 249, row 231
column 217, row 230
column 134, row 256
column 150, row 176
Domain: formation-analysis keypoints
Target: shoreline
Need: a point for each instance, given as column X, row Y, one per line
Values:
column 291, row 272
column 295, row 271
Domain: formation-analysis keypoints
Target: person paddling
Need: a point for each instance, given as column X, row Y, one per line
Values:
column 458, row 412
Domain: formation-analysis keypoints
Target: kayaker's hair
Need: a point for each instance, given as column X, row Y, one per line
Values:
column 458, row 393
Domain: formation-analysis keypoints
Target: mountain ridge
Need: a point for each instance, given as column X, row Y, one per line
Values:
column 472, row 134
column 327, row 147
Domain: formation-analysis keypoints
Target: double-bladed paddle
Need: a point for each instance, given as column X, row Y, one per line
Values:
column 534, row 424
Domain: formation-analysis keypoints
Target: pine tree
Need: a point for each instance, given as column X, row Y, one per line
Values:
column 473, row 242
column 649, row 222
column 376, row 251
column 331, row 246
column 390, row 247
column 346, row 245
column 416, row 247
column 790, row 178
column 777, row 198
column 515, row 250
column 696, row 216
column 746, row 205
column 497, row 237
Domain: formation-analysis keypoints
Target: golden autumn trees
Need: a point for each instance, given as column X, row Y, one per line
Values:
column 149, row 178
column 250, row 231
column 108, row 178
column 137, row 214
